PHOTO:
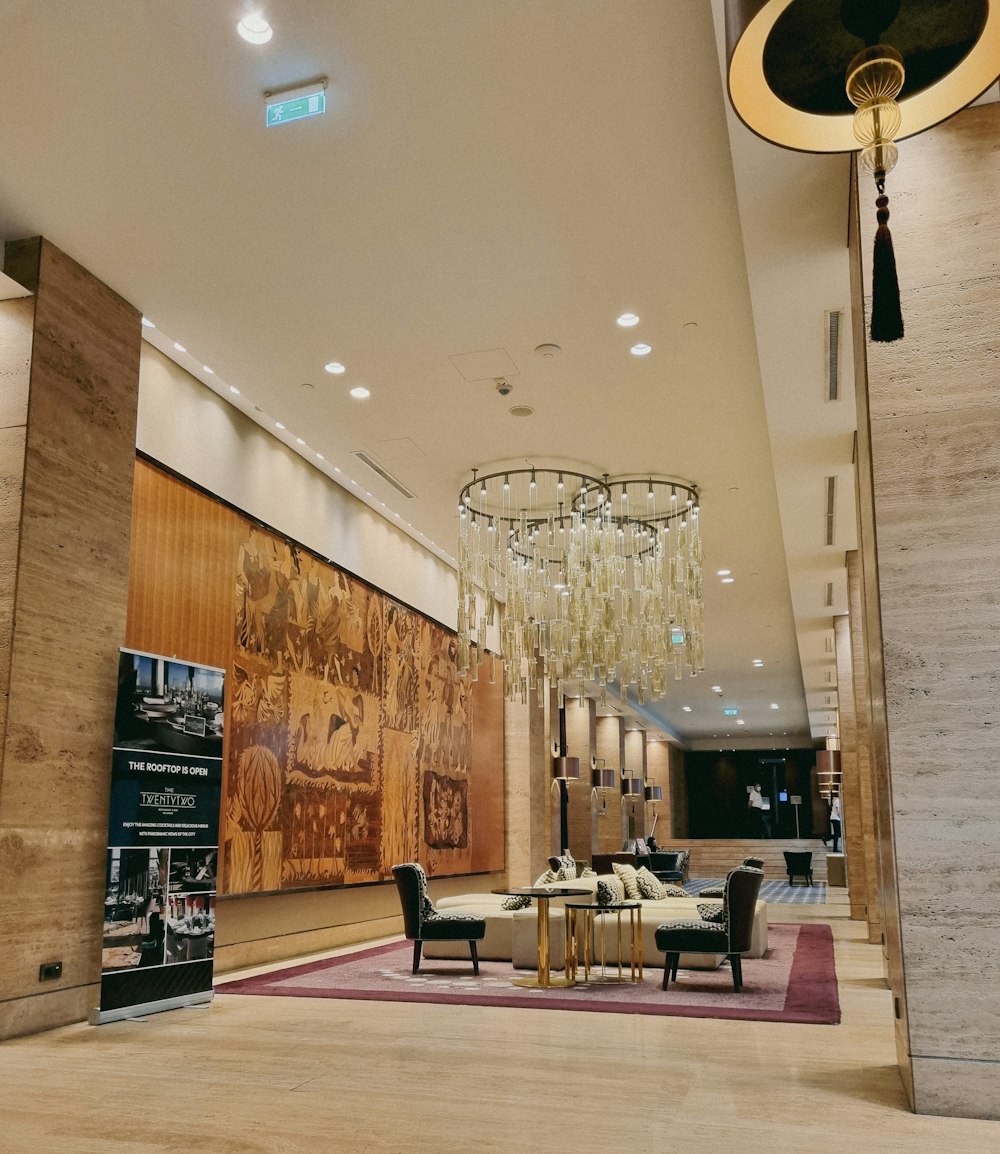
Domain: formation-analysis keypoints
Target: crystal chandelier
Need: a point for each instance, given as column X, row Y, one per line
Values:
column 600, row 578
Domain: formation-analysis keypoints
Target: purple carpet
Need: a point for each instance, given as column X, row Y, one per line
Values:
column 795, row 982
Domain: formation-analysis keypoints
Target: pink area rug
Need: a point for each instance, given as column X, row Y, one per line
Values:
column 795, row 982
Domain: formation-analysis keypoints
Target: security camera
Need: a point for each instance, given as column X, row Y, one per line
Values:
column 504, row 388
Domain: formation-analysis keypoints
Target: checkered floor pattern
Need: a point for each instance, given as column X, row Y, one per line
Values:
column 778, row 892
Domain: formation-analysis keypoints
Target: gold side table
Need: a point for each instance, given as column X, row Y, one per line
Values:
column 543, row 895
column 573, row 930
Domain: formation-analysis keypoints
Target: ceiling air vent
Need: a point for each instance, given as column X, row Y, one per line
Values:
column 830, row 516
column 833, row 354
column 367, row 459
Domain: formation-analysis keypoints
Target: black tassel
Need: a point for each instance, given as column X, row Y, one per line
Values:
column 887, row 318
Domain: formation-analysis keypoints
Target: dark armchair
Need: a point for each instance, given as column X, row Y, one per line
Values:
column 799, row 863
column 731, row 936
column 717, row 891
column 666, row 866
column 423, row 923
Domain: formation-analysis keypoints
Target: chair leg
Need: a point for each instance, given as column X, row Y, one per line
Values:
column 417, row 946
column 475, row 956
column 669, row 967
column 736, row 965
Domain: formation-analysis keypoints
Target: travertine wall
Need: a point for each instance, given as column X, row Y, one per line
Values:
column 861, row 700
column 934, row 406
column 66, row 513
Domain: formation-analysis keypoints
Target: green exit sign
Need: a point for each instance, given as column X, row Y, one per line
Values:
column 287, row 105
column 731, row 712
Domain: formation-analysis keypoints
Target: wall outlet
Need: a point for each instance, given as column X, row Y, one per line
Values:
column 49, row 971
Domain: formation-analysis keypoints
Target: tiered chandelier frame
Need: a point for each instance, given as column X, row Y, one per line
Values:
column 600, row 578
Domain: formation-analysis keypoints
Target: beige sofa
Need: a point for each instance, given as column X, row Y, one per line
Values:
column 511, row 935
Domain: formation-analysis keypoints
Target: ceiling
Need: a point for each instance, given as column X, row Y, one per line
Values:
column 489, row 177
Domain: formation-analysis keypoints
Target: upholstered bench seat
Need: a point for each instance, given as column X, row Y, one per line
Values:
column 511, row 935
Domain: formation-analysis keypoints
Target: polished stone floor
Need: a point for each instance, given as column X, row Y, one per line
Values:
column 256, row 1075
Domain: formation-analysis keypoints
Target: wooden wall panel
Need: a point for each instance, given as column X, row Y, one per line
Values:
column 182, row 576
column 318, row 790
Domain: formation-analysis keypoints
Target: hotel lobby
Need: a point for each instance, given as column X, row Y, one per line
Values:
column 275, row 383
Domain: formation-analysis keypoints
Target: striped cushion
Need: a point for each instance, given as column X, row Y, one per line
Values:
column 627, row 875
column 649, row 885
column 610, row 891
column 711, row 911
column 516, row 902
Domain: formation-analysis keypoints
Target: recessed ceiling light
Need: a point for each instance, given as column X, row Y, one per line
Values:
column 716, row 688
column 628, row 320
column 727, row 580
column 335, row 367
column 179, row 347
column 234, row 389
column 686, row 708
column 147, row 323
column 206, row 369
column 278, row 425
column 775, row 705
column 758, row 663
column 641, row 350
column 740, row 721
column 255, row 29
column 320, row 457
column 521, row 411
column 359, row 392
column 723, row 572
column 299, row 441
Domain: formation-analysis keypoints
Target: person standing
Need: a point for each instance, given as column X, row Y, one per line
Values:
column 835, row 820
column 755, row 803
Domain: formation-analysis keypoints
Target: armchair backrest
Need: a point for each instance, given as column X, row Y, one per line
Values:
column 739, row 905
column 754, row 862
column 411, row 883
column 664, row 860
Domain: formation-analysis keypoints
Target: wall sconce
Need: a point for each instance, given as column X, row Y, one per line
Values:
column 654, row 793
column 603, row 778
column 632, row 787
column 566, row 768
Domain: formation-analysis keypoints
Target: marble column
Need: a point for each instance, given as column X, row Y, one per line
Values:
column 861, row 694
column 70, row 364
column 609, row 736
column 933, row 463
column 658, row 770
column 850, row 785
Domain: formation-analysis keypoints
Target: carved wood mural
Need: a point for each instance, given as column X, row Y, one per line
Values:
column 351, row 735
column 351, row 741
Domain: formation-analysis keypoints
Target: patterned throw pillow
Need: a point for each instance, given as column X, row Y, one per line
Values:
column 516, row 902
column 649, row 885
column 610, row 892
column 588, row 872
column 711, row 911
column 566, row 873
column 675, row 892
column 568, row 863
column 547, row 878
column 627, row 874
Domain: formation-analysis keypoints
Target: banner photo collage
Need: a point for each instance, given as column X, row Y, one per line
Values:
column 162, row 857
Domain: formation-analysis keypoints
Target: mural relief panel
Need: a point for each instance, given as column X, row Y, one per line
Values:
column 351, row 732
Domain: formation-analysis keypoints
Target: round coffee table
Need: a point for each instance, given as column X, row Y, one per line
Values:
column 543, row 895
